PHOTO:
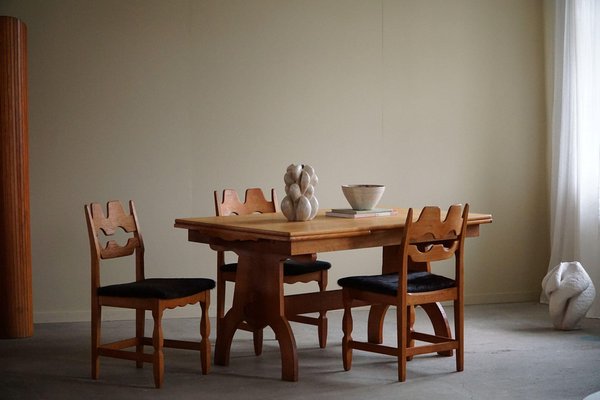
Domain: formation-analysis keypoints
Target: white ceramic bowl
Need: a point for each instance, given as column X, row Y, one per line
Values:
column 363, row 197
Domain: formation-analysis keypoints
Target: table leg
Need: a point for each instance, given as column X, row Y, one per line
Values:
column 258, row 299
column 375, row 324
column 439, row 320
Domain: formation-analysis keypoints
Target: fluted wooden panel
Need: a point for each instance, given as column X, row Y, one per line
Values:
column 16, row 308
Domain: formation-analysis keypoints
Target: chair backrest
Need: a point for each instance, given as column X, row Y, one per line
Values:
column 98, row 223
column 430, row 239
column 254, row 202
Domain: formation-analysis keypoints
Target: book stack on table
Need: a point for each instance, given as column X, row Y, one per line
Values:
column 351, row 213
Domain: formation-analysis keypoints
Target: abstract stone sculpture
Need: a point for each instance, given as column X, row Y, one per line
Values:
column 300, row 203
column 570, row 292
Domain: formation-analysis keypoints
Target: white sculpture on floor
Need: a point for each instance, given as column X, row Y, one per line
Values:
column 570, row 292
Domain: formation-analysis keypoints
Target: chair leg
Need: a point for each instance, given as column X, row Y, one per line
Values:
column 257, row 337
column 157, row 342
column 322, row 323
column 96, row 330
column 204, row 334
column 402, row 316
column 322, row 327
column 459, row 334
column 221, row 287
column 347, row 329
column 410, row 342
column 140, row 316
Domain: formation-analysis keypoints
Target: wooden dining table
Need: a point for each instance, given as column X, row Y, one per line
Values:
column 264, row 241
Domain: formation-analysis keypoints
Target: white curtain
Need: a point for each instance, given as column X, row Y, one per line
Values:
column 575, row 145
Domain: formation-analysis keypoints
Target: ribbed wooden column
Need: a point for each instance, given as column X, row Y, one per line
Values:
column 16, row 308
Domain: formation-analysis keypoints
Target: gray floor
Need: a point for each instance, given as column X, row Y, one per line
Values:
column 512, row 352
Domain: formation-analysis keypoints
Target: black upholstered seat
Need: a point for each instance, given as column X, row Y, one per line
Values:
column 387, row 284
column 290, row 267
column 161, row 288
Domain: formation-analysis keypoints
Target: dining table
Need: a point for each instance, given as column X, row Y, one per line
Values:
column 263, row 242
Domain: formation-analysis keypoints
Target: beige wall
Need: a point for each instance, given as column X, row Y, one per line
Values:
column 165, row 101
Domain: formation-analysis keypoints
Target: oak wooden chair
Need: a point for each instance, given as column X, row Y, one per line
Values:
column 143, row 294
column 293, row 271
column 428, row 240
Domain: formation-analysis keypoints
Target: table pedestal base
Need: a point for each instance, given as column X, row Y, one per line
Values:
column 259, row 301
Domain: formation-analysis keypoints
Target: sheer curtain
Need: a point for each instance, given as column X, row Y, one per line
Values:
column 575, row 145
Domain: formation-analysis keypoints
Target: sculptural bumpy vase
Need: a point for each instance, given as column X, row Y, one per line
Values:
column 300, row 203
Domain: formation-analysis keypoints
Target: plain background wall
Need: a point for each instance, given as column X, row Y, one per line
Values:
column 165, row 101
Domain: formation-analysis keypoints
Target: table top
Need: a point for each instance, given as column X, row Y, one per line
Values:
column 274, row 226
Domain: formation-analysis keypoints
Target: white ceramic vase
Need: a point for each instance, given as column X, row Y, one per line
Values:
column 300, row 203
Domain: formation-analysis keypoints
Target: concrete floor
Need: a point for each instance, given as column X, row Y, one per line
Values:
column 512, row 352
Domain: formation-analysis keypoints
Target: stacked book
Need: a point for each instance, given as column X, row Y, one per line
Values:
column 351, row 213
